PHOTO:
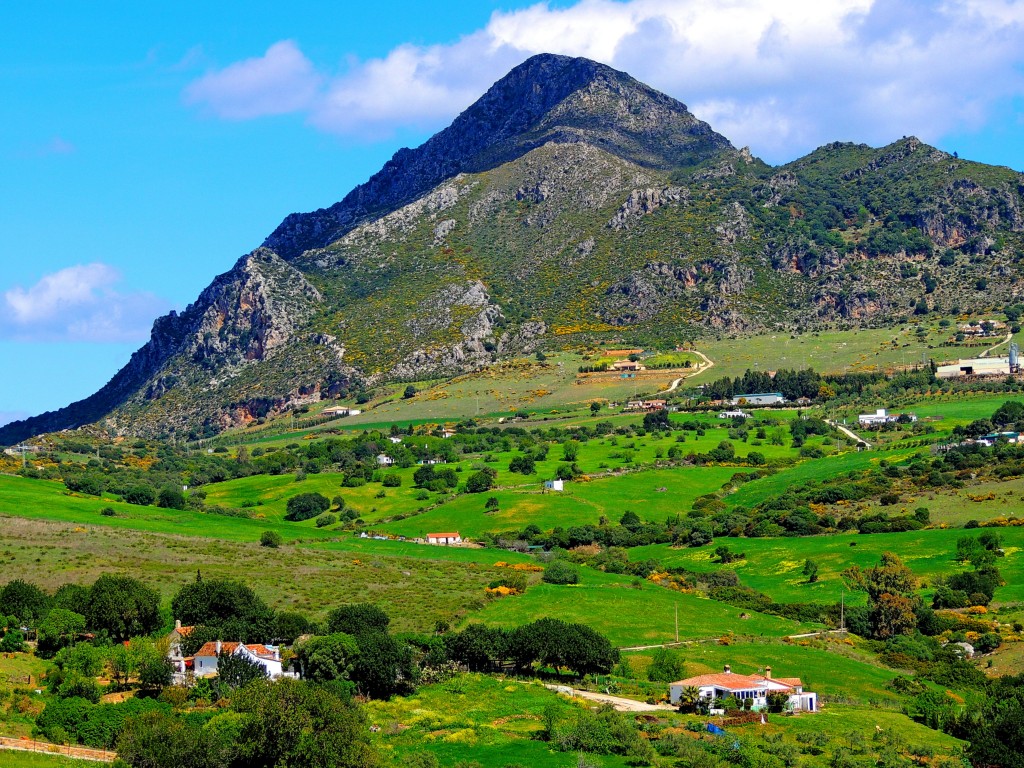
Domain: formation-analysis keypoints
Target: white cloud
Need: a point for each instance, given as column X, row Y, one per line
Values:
column 78, row 303
column 782, row 77
column 280, row 81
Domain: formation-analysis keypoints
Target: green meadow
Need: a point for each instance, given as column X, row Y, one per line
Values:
column 774, row 566
column 632, row 612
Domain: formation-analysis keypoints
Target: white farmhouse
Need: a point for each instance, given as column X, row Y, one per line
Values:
column 268, row 657
column 756, row 687
column 444, row 539
column 554, row 485
column 384, row 460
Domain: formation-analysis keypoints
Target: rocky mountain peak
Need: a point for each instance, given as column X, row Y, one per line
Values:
column 547, row 98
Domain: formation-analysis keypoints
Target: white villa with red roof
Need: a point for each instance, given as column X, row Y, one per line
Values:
column 444, row 539
column 756, row 687
column 268, row 657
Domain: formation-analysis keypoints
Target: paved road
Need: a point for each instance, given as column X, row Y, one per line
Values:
column 996, row 346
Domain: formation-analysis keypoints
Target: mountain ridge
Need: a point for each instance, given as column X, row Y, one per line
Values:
column 600, row 208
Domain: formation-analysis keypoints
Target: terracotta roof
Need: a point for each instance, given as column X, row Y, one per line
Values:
column 184, row 631
column 210, row 649
column 443, row 535
column 735, row 682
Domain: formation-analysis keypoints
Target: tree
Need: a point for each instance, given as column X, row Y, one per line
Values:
column 271, row 539
column 524, row 465
column 666, row 666
column 330, row 657
column 236, row 671
column 689, row 698
column 570, row 450
column 305, row 506
column 289, row 625
column 152, row 665
column 382, row 666
column 357, row 619
column 24, row 600
column 171, row 498
column 159, row 739
column 123, row 607
column 228, row 608
column 479, row 647
column 892, row 615
column 811, row 571
column 410, row 392
column 57, row 630
column 482, row 481
column 595, row 408
column 295, row 723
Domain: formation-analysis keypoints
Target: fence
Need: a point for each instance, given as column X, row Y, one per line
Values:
column 79, row 753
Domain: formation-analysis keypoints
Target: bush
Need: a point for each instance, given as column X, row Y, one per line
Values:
column 560, row 572
column 271, row 539
column 108, row 512
column 391, row 480
column 326, row 520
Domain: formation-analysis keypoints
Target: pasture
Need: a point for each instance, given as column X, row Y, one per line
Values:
column 774, row 566
column 632, row 612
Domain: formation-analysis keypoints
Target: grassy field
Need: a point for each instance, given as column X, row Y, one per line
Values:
column 473, row 717
column 774, row 566
column 866, row 349
column 834, row 669
column 631, row 612
column 10, row 758
column 416, row 585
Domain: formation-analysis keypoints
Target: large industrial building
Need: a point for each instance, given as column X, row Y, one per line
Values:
column 983, row 366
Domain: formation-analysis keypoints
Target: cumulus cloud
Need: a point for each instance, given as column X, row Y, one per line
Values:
column 280, row 81
column 78, row 303
column 781, row 77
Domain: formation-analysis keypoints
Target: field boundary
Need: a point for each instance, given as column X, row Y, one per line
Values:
column 45, row 747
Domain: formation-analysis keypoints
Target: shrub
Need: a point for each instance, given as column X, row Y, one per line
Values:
column 108, row 512
column 560, row 572
column 271, row 539
column 325, row 520
column 391, row 480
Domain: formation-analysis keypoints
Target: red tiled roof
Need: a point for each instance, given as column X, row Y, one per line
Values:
column 735, row 682
column 184, row 631
column 210, row 649
column 443, row 535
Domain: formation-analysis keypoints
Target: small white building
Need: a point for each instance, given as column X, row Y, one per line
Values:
column 395, row 440
column 881, row 416
column 756, row 687
column 977, row 366
column 554, row 485
column 736, row 414
column 759, row 398
column 384, row 460
column 444, row 539
column 340, row 410
column 267, row 656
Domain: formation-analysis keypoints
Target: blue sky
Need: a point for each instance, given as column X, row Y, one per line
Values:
column 144, row 151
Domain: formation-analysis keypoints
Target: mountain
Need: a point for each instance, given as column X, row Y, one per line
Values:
column 570, row 203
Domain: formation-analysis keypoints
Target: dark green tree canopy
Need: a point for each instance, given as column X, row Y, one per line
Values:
column 123, row 607
column 357, row 619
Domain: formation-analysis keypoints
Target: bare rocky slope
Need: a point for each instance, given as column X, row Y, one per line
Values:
column 570, row 203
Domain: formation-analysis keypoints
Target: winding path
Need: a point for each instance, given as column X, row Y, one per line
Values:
column 988, row 351
column 709, row 364
column 853, row 436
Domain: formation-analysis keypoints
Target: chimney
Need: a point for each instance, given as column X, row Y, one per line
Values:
column 218, row 647
column 177, row 623
column 767, row 673
column 728, row 669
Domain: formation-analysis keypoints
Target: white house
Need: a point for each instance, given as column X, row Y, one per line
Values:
column 736, row 414
column 444, row 539
column 881, row 416
column 446, row 433
column 759, row 398
column 554, row 485
column 174, row 653
column 756, row 687
column 384, row 460
column 395, row 440
column 268, row 657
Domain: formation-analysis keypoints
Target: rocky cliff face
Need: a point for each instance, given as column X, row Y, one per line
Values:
column 569, row 204
column 546, row 99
